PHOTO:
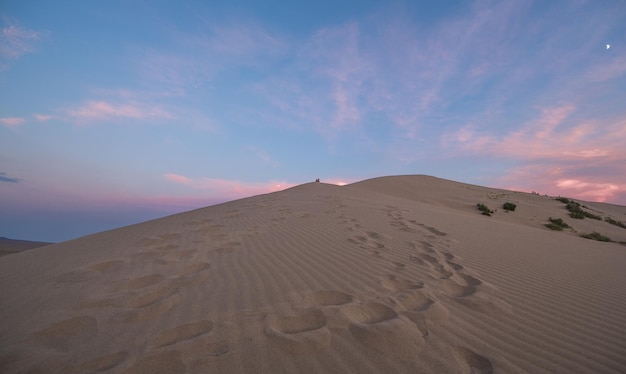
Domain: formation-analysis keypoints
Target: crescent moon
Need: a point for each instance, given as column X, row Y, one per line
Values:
column 608, row 46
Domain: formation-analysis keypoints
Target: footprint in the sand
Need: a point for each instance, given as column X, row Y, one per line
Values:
column 414, row 301
column 451, row 288
column 438, row 271
column 195, row 268
column 182, row 333
column 476, row 363
column 142, row 282
column 366, row 242
column 158, row 362
column 229, row 247
column 304, row 332
column 327, row 298
column 68, row 334
column 394, row 284
column 375, row 326
column 90, row 272
column 149, row 312
column 369, row 313
column 99, row 364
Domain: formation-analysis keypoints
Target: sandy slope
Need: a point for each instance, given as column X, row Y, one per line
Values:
column 396, row 274
column 11, row 246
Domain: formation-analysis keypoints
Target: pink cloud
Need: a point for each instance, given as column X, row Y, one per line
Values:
column 12, row 122
column 98, row 110
column 569, row 181
column 16, row 40
column 552, row 135
column 584, row 159
column 229, row 189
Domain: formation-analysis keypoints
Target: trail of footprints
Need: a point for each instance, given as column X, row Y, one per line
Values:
column 143, row 298
column 403, row 313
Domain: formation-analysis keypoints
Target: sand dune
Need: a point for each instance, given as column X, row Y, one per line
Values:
column 394, row 275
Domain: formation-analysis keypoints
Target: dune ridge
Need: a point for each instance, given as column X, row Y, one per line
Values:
column 394, row 274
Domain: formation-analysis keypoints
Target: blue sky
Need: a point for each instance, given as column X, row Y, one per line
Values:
column 114, row 112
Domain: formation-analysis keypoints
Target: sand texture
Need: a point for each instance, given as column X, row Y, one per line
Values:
column 389, row 275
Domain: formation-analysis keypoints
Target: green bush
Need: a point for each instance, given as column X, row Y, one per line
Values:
column 484, row 209
column 596, row 236
column 556, row 224
column 575, row 211
column 509, row 207
column 615, row 223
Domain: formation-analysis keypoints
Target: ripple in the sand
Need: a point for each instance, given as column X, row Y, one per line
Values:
column 327, row 298
column 369, row 313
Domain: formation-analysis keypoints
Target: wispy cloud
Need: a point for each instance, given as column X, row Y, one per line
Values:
column 12, row 122
column 196, row 59
column 229, row 189
column 16, row 40
column 550, row 135
column 43, row 117
column 5, row 178
column 100, row 110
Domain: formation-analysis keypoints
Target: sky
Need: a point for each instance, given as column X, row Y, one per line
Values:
column 116, row 112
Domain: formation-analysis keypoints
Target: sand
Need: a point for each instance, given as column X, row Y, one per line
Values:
column 11, row 246
column 393, row 275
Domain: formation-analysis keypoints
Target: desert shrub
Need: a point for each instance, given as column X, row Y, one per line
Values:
column 557, row 224
column 592, row 216
column 615, row 223
column 575, row 210
column 484, row 209
column 509, row 206
column 596, row 236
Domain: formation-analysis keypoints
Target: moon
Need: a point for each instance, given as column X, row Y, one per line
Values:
column 608, row 46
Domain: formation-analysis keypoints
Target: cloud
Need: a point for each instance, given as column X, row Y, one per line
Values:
column 559, row 152
column 43, row 117
column 12, row 122
column 195, row 59
column 551, row 135
column 100, row 110
column 4, row 178
column 229, row 189
column 16, row 40
column 568, row 180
